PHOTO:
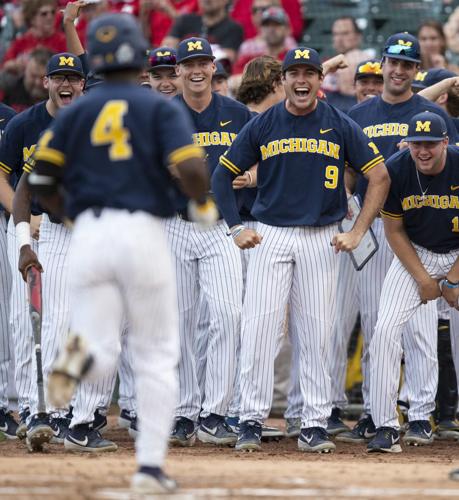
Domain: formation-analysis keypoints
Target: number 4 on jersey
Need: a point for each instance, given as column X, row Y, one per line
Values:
column 109, row 129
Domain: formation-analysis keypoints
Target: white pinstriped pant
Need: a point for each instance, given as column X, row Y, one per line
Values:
column 295, row 265
column 5, row 292
column 399, row 302
column 208, row 262
column 128, row 276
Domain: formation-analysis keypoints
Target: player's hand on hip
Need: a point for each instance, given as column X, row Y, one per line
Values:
column 248, row 238
column 429, row 289
column 346, row 242
column 451, row 296
column 205, row 214
column 35, row 221
column 27, row 259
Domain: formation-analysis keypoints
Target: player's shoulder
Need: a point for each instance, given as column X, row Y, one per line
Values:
column 364, row 106
column 397, row 163
column 453, row 151
column 6, row 113
column 227, row 103
column 22, row 119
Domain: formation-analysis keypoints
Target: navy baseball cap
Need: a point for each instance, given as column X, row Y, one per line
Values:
column 403, row 46
column 65, row 62
column 276, row 15
column 428, row 78
column 163, row 57
column 370, row 67
column 221, row 71
column 192, row 48
column 92, row 80
column 302, row 56
column 426, row 126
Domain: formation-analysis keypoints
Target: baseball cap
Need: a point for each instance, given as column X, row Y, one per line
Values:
column 221, row 71
column 92, row 80
column 403, row 46
column 274, row 14
column 64, row 62
column 192, row 48
column 428, row 78
column 370, row 67
column 302, row 56
column 163, row 57
column 426, row 126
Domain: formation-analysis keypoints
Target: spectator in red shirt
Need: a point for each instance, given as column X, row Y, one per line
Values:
column 242, row 10
column 39, row 16
column 274, row 31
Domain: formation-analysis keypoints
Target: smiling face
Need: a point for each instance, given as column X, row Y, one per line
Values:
column 429, row 156
column 196, row 74
column 63, row 88
column 166, row 81
column 398, row 75
column 301, row 84
column 367, row 87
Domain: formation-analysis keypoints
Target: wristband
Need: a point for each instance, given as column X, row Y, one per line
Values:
column 23, row 234
column 237, row 230
column 449, row 284
column 249, row 175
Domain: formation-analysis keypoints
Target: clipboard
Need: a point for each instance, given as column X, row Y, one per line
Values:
column 369, row 244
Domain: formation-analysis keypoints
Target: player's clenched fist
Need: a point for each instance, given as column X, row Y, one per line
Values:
column 245, row 238
column 429, row 289
column 346, row 242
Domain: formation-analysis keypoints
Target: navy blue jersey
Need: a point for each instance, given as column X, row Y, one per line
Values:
column 456, row 124
column 19, row 140
column 216, row 127
column 6, row 113
column 432, row 220
column 301, row 162
column 115, row 144
column 387, row 124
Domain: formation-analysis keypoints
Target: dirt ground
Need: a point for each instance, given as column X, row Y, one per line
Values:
column 278, row 471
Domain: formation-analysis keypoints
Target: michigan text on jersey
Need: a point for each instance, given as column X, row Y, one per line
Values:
column 387, row 129
column 431, row 200
column 213, row 138
column 300, row 145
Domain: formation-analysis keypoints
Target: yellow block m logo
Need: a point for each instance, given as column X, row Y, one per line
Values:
column 423, row 126
column 405, row 43
column 301, row 54
column 66, row 61
column 421, row 75
column 194, row 46
column 163, row 54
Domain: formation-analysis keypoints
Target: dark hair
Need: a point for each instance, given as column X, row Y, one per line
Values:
column 259, row 79
column 41, row 55
column 353, row 22
column 30, row 8
column 437, row 26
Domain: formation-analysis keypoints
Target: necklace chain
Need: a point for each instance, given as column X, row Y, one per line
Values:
column 423, row 192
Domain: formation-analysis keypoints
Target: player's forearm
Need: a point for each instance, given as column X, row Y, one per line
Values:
column 193, row 178
column 433, row 92
column 21, row 201
column 222, row 187
column 378, row 187
column 6, row 193
column 44, row 183
column 402, row 247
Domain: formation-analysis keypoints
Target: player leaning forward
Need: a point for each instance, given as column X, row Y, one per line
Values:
column 110, row 154
column 301, row 145
column 421, row 222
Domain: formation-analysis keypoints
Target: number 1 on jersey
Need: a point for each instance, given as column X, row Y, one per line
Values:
column 455, row 222
column 108, row 129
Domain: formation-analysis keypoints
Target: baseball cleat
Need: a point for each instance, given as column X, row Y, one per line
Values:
column 39, row 432
column 151, row 481
column 83, row 438
column 125, row 418
column 419, row 433
column 21, row 431
column 387, row 440
column 183, row 433
column 249, row 438
column 133, row 428
column 447, row 430
column 363, row 431
column 71, row 364
column 292, row 427
column 233, row 422
column 214, row 430
column 60, row 426
column 315, row 439
column 335, row 425
column 100, row 421
column 8, row 426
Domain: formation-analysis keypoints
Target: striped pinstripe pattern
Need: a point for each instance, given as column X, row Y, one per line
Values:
column 127, row 398
column 399, row 302
column 296, row 264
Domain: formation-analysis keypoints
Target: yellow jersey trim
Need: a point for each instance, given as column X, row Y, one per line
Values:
column 372, row 163
column 5, row 168
column 229, row 165
column 50, row 155
column 185, row 153
column 390, row 215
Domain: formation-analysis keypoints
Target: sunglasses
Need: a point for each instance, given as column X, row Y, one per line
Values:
column 72, row 79
column 169, row 60
column 402, row 50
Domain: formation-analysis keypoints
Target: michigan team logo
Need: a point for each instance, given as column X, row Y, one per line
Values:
column 106, row 34
column 373, row 68
column 405, row 43
column 301, row 54
column 194, row 46
column 163, row 54
column 66, row 61
column 423, row 126
column 420, row 76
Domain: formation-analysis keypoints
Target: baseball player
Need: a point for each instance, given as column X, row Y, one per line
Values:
column 421, row 197
column 162, row 72
column 16, row 147
column 207, row 264
column 301, row 146
column 8, row 424
column 385, row 121
column 122, row 135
